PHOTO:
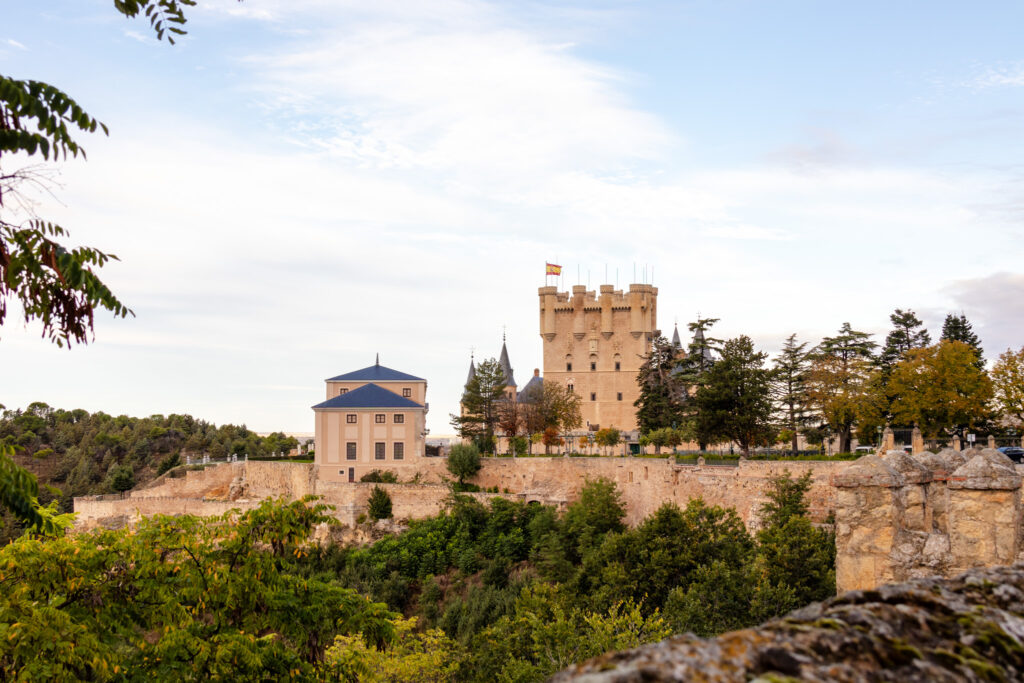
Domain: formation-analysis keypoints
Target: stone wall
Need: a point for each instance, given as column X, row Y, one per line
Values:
column 900, row 516
column 645, row 484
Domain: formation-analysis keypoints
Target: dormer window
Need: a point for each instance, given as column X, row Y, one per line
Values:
column 407, row 392
column 342, row 391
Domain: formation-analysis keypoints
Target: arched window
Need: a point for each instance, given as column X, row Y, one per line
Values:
column 568, row 362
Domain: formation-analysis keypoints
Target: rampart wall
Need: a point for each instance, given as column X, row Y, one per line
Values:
column 901, row 516
column 645, row 484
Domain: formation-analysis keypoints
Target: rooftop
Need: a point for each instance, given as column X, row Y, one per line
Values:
column 369, row 396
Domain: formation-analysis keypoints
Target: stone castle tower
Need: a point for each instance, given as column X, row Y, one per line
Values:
column 595, row 344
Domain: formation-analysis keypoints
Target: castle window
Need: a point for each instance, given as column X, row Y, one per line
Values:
column 351, row 418
column 570, row 387
column 378, row 450
column 619, row 396
column 618, row 365
column 399, row 451
column 593, row 365
column 407, row 392
column 380, row 418
column 350, row 450
column 593, row 396
column 342, row 391
column 399, row 418
column 568, row 367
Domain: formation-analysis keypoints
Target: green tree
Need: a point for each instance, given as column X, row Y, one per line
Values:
column 607, row 438
column 660, row 403
column 907, row 333
column 379, row 504
column 1008, row 384
column 838, row 380
column 464, row 461
column 481, row 400
column 735, row 400
column 941, row 389
column 789, row 389
column 120, row 478
column 958, row 328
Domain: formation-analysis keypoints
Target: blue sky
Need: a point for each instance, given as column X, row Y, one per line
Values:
column 300, row 184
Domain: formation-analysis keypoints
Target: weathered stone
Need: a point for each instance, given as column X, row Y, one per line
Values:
column 997, row 458
column 984, row 472
column 969, row 628
column 871, row 470
column 935, row 463
column 912, row 469
column 953, row 458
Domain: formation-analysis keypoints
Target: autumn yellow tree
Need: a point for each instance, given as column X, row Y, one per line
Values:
column 941, row 389
column 838, row 380
column 1008, row 384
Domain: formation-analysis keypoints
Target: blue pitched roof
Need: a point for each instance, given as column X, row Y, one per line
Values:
column 376, row 373
column 368, row 396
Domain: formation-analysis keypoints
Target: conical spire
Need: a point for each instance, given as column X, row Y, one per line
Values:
column 378, row 359
column 506, row 366
column 676, row 342
column 472, row 370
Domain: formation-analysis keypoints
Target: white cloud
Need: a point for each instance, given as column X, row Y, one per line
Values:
column 13, row 43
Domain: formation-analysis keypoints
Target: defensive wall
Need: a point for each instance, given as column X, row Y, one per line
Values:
column 645, row 484
column 901, row 516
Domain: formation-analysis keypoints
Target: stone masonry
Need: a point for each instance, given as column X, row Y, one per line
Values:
column 901, row 516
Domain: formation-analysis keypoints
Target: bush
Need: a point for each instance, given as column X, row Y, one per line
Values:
column 120, row 478
column 378, row 477
column 464, row 461
column 168, row 463
column 379, row 506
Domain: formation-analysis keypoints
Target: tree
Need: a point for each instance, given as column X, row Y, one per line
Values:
column 941, row 389
column 510, row 420
column 1008, row 383
column 908, row 333
column 840, row 369
column 481, row 399
column 789, row 388
column 379, row 504
column 660, row 403
column 735, row 400
column 464, row 461
column 958, row 328
column 607, row 438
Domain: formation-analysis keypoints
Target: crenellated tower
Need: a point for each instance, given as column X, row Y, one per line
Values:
column 596, row 344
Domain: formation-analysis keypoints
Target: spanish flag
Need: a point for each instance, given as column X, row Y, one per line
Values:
column 553, row 269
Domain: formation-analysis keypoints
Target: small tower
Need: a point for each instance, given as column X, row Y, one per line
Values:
column 506, row 369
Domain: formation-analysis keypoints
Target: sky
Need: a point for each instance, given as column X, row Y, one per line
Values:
column 299, row 185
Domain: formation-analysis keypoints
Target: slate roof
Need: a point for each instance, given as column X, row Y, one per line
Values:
column 376, row 373
column 676, row 342
column 531, row 393
column 506, row 366
column 368, row 396
column 472, row 372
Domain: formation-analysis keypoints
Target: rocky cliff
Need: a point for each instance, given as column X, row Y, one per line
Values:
column 967, row 628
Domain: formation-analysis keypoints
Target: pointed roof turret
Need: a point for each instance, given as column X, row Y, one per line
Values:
column 506, row 366
column 676, row 342
column 472, row 371
column 698, row 341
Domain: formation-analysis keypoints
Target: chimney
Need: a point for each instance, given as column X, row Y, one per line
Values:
column 536, row 372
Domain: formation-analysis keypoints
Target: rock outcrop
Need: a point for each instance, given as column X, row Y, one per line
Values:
column 968, row 628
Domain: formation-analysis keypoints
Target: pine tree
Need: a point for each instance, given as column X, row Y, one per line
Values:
column 957, row 328
column 734, row 402
column 661, row 391
column 839, row 377
column 480, row 403
column 908, row 333
column 790, row 388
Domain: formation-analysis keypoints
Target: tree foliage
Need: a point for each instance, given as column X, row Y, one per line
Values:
column 482, row 399
column 790, row 389
column 379, row 504
column 838, row 379
column 1008, row 384
column 662, row 392
column 940, row 389
column 908, row 333
column 734, row 402
column 464, row 461
column 958, row 328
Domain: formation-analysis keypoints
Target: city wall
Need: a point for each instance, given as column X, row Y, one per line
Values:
column 901, row 516
column 645, row 484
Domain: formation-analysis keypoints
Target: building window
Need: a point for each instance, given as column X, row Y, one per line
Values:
column 399, row 419
column 593, row 365
column 399, row 451
column 350, row 450
column 342, row 391
column 378, row 450
column 619, row 396
column 568, row 367
column 380, row 418
column 350, row 418
column 570, row 387
column 407, row 392
column 618, row 365
column 593, row 396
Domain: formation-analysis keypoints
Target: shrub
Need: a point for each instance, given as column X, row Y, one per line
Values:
column 168, row 463
column 378, row 477
column 379, row 506
column 464, row 461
